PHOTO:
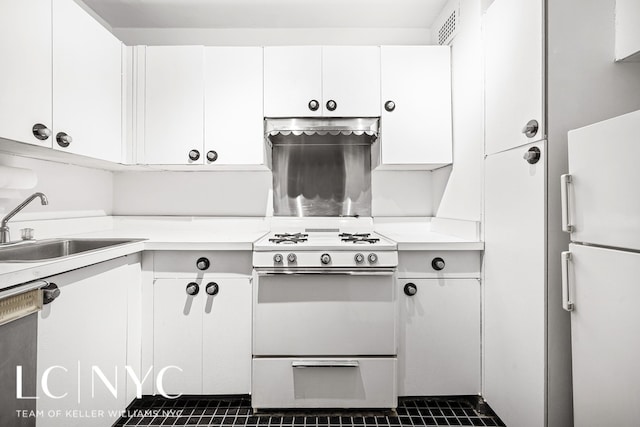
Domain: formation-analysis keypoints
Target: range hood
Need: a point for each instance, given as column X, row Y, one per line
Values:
column 322, row 126
column 321, row 166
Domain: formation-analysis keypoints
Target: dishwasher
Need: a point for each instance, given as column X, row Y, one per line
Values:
column 19, row 306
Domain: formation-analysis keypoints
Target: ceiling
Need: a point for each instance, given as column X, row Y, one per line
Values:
column 247, row 14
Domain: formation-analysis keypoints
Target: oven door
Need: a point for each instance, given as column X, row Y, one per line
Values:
column 327, row 312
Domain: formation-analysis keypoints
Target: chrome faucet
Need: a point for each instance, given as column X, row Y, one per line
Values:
column 4, row 229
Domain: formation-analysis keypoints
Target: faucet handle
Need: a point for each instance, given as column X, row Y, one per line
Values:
column 27, row 233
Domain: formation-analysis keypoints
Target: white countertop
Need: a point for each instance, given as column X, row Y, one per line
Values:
column 194, row 233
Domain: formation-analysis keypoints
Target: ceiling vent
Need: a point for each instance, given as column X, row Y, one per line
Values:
column 447, row 24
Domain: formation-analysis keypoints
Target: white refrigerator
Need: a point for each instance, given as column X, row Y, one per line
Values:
column 601, row 270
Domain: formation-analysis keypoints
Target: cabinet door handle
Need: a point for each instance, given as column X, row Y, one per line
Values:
column 410, row 289
column 203, row 263
column 50, row 293
column 212, row 288
column 63, row 139
column 325, row 364
column 314, row 105
column 531, row 128
column 565, row 180
column 192, row 289
column 41, row 132
column 194, row 155
column 212, row 156
column 389, row 106
column 332, row 105
column 567, row 304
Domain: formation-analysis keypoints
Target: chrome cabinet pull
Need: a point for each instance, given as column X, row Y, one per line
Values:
column 531, row 128
column 565, row 181
column 63, row 139
column 212, row 156
column 314, row 105
column 41, row 132
column 300, row 364
column 567, row 304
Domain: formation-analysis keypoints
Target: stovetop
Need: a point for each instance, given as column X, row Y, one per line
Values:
column 324, row 240
column 324, row 249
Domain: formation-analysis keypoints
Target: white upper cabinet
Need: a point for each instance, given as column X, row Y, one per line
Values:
column 628, row 30
column 416, row 99
column 513, row 74
column 351, row 81
column 87, row 84
column 314, row 81
column 25, row 73
column 174, row 105
column 233, row 129
column 292, row 81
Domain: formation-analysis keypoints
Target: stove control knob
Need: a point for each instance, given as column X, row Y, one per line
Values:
column 438, row 264
column 373, row 258
column 325, row 259
column 292, row 257
column 277, row 258
column 410, row 289
column 359, row 258
column 193, row 289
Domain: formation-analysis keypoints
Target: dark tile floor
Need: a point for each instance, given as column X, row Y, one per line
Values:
column 236, row 411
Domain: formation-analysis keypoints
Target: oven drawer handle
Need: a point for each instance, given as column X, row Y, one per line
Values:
column 334, row 272
column 325, row 364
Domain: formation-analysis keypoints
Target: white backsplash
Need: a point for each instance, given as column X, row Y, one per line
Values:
column 73, row 191
column 248, row 193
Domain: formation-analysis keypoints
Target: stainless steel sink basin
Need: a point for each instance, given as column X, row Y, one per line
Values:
column 32, row 251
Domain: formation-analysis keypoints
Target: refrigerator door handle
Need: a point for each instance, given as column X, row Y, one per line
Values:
column 567, row 304
column 565, row 180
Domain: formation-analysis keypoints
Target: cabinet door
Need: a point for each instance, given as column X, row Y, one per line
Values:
column 25, row 74
column 514, row 287
column 87, row 84
column 513, row 73
column 439, row 345
column 351, row 78
column 233, row 106
column 227, row 337
column 86, row 326
column 292, row 78
column 417, row 130
column 177, row 336
column 174, row 105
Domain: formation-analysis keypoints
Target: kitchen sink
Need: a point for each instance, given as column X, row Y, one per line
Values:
column 42, row 250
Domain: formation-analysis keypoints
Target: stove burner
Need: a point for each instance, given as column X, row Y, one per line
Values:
column 358, row 238
column 289, row 238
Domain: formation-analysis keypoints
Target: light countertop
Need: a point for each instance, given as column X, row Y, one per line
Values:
column 192, row 233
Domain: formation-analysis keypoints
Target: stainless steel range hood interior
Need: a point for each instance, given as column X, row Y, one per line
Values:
column 321, row 167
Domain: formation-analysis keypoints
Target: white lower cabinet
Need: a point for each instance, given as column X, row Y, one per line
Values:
column 336, row 382
column 439, row 338
column 82, row 345
column 202, row 342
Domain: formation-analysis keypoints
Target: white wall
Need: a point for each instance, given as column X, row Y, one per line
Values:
column 462, row 198
column 248, row 193
column 73, row 191
column 273, row 36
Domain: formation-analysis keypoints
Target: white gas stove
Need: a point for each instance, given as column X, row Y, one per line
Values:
column 326, row 249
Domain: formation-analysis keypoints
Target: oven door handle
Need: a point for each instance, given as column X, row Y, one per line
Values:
column 301, row 364
column 301, row 272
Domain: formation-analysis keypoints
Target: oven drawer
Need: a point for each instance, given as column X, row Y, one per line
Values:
column 324, row 315
column 324, row 383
